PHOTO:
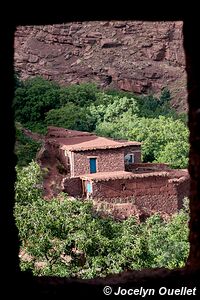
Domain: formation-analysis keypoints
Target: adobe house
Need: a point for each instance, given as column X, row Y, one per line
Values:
column 80, row 153
column 110, row 170
column 85, row 153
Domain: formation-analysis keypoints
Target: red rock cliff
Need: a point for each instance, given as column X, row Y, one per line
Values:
column 142, row 57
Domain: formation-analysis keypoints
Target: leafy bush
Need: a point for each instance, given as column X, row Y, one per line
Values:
column 34, row 98
column 80, row 94
column 113, row 109
column 28, row 187
column 71, row 116
column 175, row 153
column 165, row 96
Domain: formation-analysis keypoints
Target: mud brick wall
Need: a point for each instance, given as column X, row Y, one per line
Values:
column 147, row 166
column 149, row 193
column 73, row 186
column 108, row 160
column 136, row 150
column 182, row 189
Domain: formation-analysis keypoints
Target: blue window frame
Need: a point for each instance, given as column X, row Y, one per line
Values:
column 93, row 165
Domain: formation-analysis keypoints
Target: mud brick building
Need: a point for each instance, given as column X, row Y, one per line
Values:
column 85, row 153
column 111, row 170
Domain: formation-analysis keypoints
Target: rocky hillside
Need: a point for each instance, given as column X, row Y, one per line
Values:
column 142, row 57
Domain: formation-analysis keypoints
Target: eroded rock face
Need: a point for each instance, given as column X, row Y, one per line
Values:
column 142, row 57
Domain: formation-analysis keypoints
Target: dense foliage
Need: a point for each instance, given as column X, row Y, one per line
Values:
column 149, row 119
column 66, row 237
column 33, row 98
column 71, row 116
column 80, row 95
column 25, row 147
column 163, row 139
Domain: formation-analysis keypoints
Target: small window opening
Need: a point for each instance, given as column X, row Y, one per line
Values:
column 129, row 159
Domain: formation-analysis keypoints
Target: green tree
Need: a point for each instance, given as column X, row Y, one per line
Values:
column 174, row 153
column 34, row 99
column 147, row 105
column 153, row 107
column 112, row 108
column 157, row 135
column 71, row 116
column 165, row 96
column 168, row 241
column 28, row 187
column 80, row 94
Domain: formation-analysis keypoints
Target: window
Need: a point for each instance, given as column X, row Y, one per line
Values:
column 93, row 165
column 129, row 159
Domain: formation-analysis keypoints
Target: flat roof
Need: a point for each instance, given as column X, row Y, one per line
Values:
column 92, row 142
column 105, row 176
column 74, row 140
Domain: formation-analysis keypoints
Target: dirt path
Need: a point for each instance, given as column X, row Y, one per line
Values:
column 53, row 179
